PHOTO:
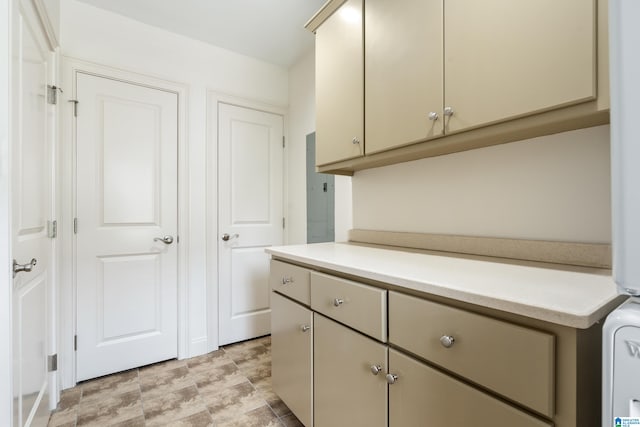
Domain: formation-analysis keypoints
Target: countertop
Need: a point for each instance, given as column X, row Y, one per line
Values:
column 576, row 299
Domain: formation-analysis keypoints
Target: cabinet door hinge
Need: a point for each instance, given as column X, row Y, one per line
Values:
column 283, row 142
column 52, row 229
column 52, row 94
column 52, row 362
column 75, row 107
column 75, row 343
column 283, row 222
column 75, row 225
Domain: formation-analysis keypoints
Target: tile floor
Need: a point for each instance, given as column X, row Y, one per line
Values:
column 230, row 387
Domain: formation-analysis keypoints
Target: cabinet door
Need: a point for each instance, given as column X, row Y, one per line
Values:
column 292, row 355
column 505, row 58
column 339, row 85
column 346, row 392
column 403, row 72
column 423, row 396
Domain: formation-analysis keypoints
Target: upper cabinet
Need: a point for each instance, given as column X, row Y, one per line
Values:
column 504, row 59
column 397, row 81
column 339, row 85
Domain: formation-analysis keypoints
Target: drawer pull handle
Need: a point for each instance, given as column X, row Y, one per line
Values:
column 376, row 369
column 391, row 378
column 287, row 280
column 447, row 341
column 305, row 328
column 338, row 302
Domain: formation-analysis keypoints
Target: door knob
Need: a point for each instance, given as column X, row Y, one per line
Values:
column 167, row 240
column 18, row 268
column 226, row 237
column 391, row 378
column 447, row 340
column 448, row 111
column 433, row 116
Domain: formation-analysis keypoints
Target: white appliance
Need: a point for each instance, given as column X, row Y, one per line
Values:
column 621, row 334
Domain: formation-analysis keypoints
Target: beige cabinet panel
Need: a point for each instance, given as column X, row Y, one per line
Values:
column 403, row 72
column 515, row 361
column 290, row 280
column 339, row 85
column 505, row 58
column 346, row 392
column 292, row 356
column 359, row 306
column 422, row 396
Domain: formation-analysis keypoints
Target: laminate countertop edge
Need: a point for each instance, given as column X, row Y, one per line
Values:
column 576, row 299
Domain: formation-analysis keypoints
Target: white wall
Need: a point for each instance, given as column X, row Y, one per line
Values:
column 549, row 188
column 302, row 121
column 103, row 37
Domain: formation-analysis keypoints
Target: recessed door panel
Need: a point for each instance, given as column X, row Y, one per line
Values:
column 130, row 161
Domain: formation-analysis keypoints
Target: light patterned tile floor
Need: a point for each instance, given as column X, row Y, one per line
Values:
column 230, row 387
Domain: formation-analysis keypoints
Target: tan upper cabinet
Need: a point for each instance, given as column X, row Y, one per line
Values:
column 403, row 72
column 505, row 58
column 339, row 85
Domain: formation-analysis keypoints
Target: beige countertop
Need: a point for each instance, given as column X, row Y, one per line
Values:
column 558, row 295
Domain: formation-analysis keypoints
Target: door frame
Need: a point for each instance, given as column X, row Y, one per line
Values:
column 214, row 98
column 67, row 167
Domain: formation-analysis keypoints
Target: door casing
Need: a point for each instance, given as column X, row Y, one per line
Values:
column 67, row 166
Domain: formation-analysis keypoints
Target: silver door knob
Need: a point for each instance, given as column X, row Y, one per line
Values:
column 448, row 111
column 305, row 328
column 287, row 280
column 338, row 302
column 19, row 268
column 355, row 140
column 433, row 116
column 391, row 379
column 226, row 237
column 167, row 240
column 447, row 340
column 376, row 369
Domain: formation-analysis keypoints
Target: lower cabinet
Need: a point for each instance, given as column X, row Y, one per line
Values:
column 349, row 369
column 292, row 356
column 422, row 396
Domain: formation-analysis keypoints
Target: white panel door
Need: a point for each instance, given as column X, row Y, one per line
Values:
column 126, row 203
column 31, row 199
column 250, row 217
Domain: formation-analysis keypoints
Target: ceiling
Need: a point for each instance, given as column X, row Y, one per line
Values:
column 270, row 30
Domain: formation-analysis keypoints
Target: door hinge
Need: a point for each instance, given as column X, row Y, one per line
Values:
column 75, row 107
column 75, row 343
column 52, row 362
column 52, row 229
column 283, row 222
column 75, row 225
column 52, row 94
column 283, row 142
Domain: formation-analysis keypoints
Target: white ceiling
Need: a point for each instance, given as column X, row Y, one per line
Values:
column 271, row 30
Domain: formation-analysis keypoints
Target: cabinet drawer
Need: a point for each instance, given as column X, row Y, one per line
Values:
column 290, row 280
column 512, row 360
column 423, row 396
column 362, row 307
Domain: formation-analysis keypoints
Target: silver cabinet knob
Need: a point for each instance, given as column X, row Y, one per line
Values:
column 355, row 140
column 447, row 340
column 305, row 328
column 167, row 240
column 433, row 116
column 338, row 302
column 226, row 237
column 391, row 378
column 287, row 280
column 448, row 111
column 376, row 369
column 27, row 268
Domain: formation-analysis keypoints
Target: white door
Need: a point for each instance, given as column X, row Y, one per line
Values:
column 126, row 204
column 250, row 217
column 31, row 191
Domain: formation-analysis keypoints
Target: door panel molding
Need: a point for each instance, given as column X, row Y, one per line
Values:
column 67, row 166
column 214, row 99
